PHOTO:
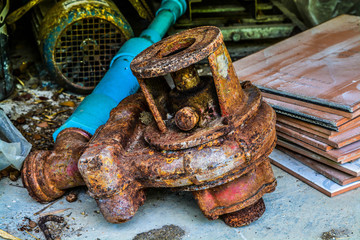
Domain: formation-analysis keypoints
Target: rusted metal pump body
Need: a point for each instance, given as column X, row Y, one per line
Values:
column 211, row 136
column 208, row 135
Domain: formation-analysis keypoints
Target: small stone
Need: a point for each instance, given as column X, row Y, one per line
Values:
column 71, row 197
column 5, row 172
column 32, row 224
column 21, row 120
column 42, row 98
column 43, row 125
column 146, row 118
column 14, row 175
column 34, row 86
column 37, row 136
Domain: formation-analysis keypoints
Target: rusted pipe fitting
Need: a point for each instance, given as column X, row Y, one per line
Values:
column 47, row 174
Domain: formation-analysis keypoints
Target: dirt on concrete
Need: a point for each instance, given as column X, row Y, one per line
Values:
column 334, row 234
column 167, row 232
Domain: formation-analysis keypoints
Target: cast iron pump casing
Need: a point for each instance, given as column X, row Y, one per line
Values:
column 211, row 136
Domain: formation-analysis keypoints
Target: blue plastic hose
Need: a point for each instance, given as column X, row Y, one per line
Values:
column 119, row 82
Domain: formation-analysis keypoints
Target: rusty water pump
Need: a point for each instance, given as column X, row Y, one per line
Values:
column 209, row 135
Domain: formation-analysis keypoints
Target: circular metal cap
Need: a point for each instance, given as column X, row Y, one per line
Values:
column 176, row 52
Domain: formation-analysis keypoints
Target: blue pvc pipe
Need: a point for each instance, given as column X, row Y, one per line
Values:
column 119, row 82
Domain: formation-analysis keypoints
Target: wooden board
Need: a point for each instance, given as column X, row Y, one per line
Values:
column 320, row 65
column 343, row 139
column 312, row 106
column 341, row 155
column 320, row 131
column 316, row 117
column 352, row 168
column 308, row 175
column 333, row 174
column 289, row 135
column 302, row 128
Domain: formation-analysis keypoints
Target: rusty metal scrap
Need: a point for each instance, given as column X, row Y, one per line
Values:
column 211, row 136
column 49, row 218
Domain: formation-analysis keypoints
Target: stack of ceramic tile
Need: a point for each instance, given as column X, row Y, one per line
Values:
column 312, row 80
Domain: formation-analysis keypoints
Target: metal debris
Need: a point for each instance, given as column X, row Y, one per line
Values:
column 49, row 233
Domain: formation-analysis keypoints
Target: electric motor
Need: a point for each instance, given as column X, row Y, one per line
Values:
column 78, row 39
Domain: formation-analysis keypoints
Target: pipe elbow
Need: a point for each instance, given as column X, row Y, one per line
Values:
column 47, row 174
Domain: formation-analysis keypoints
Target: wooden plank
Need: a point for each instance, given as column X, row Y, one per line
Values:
column 333, row 174
column 341, row 155
column 346, row 137
column 312, row 116
column 311, row 105
column 323, row 132
column 302, row 128
column 294, row 131
column 343, row 139
column 289, row 135
column 323, row 58
column 352, row 168
column 308, row 175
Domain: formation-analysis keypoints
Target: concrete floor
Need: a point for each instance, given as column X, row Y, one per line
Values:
column 294, row 211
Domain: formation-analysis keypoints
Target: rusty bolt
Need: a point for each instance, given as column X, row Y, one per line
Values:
column 186, row 118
